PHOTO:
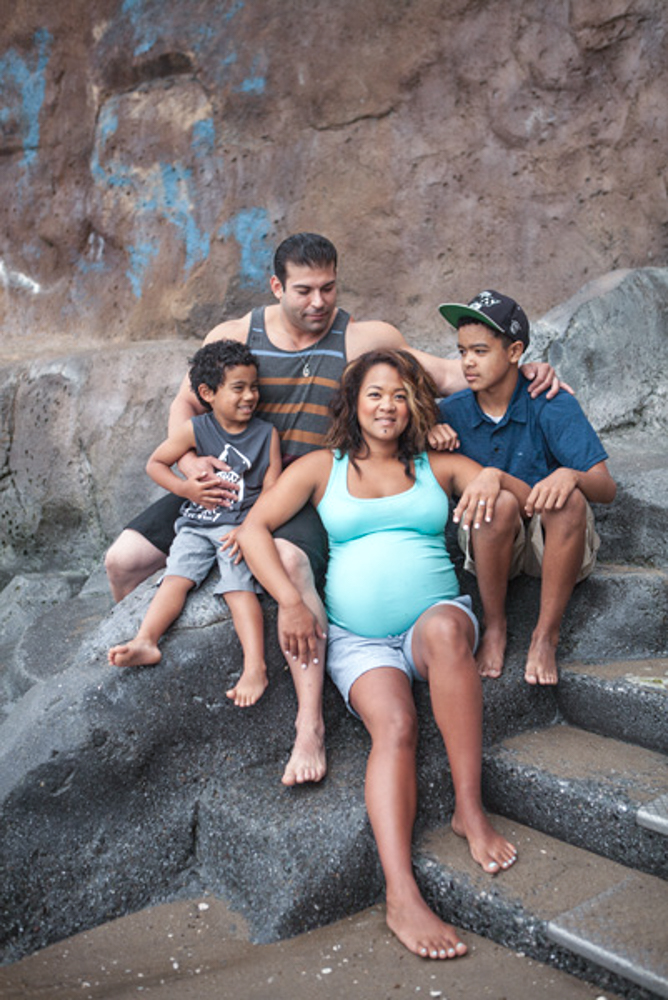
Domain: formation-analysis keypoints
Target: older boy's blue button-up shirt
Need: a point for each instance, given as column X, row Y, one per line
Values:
column 533, row 438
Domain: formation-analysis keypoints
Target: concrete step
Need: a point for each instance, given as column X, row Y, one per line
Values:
column 633, row 528
column 617, row 613
column 199, row 949
column 626, row 699
column 559, row 904
column 584, row 789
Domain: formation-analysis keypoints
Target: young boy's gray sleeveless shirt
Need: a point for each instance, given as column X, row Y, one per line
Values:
column 246, row 453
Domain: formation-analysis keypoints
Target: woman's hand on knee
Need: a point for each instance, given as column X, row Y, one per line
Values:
column 299, row 633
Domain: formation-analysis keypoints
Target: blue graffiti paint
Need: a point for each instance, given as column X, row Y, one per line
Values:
column 250, row 229
column 144, row 18
column 234, row 9
column 141, row 256
column 204, row 138
column 163, row 190
column 177, row 208
column 26, row 80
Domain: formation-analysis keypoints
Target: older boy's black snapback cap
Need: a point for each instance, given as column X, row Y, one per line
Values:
column 495, row 310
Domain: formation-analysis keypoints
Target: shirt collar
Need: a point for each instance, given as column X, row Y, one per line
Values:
column 518, row 407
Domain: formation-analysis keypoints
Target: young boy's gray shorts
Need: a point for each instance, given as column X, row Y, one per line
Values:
column 194, row 551
column 350, row 655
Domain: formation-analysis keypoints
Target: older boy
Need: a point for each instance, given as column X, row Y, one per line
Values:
column 552, row 447
column 224, row 377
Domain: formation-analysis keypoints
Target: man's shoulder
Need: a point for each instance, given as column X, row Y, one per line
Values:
column 230, row 329
column 370, row 335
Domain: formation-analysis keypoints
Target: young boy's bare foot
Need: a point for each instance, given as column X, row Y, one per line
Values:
column 250, row 687
column 488, row 847
column 541, row 665
column 421, row 931
column 491, row 652
column 136, row 653
column 308, row 761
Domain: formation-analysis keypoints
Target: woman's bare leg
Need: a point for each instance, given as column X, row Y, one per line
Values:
column 384, row 700
column 308, row 760
column 442, row 650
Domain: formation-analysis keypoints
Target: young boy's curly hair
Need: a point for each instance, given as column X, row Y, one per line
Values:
column 345, row 434
column 210, row 364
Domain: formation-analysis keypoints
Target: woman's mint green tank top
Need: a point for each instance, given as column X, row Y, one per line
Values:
column 388, row 561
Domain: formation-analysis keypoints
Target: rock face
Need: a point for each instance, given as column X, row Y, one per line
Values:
column 152, row 154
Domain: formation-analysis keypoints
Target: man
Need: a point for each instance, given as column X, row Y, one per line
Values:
column 302, row 343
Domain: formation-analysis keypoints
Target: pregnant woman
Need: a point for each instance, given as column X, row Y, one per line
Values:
column 394, row 611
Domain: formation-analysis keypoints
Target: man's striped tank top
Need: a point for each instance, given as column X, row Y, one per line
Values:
column 296, row 386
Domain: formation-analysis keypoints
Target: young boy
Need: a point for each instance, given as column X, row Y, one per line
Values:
column 550, row 445
column 224, row 377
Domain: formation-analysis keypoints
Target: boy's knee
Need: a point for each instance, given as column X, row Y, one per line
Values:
column 573, row 514
column 505, row 522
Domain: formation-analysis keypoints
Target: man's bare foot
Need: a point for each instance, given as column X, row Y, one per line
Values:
column 308, row 761
column 541, row 665
column 491, row 652
column 249, row 688
column 488, row 847
column 421, row 931
column 136, row 653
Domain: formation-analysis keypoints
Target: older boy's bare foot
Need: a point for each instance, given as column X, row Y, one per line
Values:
column 250, row 687
column 487, row 846
column 136, row 653
column 308, row 761
column 421, row 931
column 491, row 652
column 541, row 665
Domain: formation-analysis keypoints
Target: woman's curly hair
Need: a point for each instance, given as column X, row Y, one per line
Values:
column 345, row 434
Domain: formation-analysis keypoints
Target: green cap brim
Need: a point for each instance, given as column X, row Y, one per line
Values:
column 454, row 311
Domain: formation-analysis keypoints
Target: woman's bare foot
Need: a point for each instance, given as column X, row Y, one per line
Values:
column 541, row 665
column 308, row 761
column 488, row 847
column 136, row 653
column 249, row 688
column 491, row 652
column 421, row 931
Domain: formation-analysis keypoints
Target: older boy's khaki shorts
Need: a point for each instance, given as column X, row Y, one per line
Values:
column 529, row 547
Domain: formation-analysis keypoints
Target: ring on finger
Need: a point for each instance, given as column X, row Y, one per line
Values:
column 481, row 503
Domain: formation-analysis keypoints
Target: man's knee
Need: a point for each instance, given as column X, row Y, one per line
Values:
column 295, row 563
column 129, row 561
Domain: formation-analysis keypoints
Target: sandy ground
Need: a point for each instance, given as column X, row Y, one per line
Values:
column 198, row 950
